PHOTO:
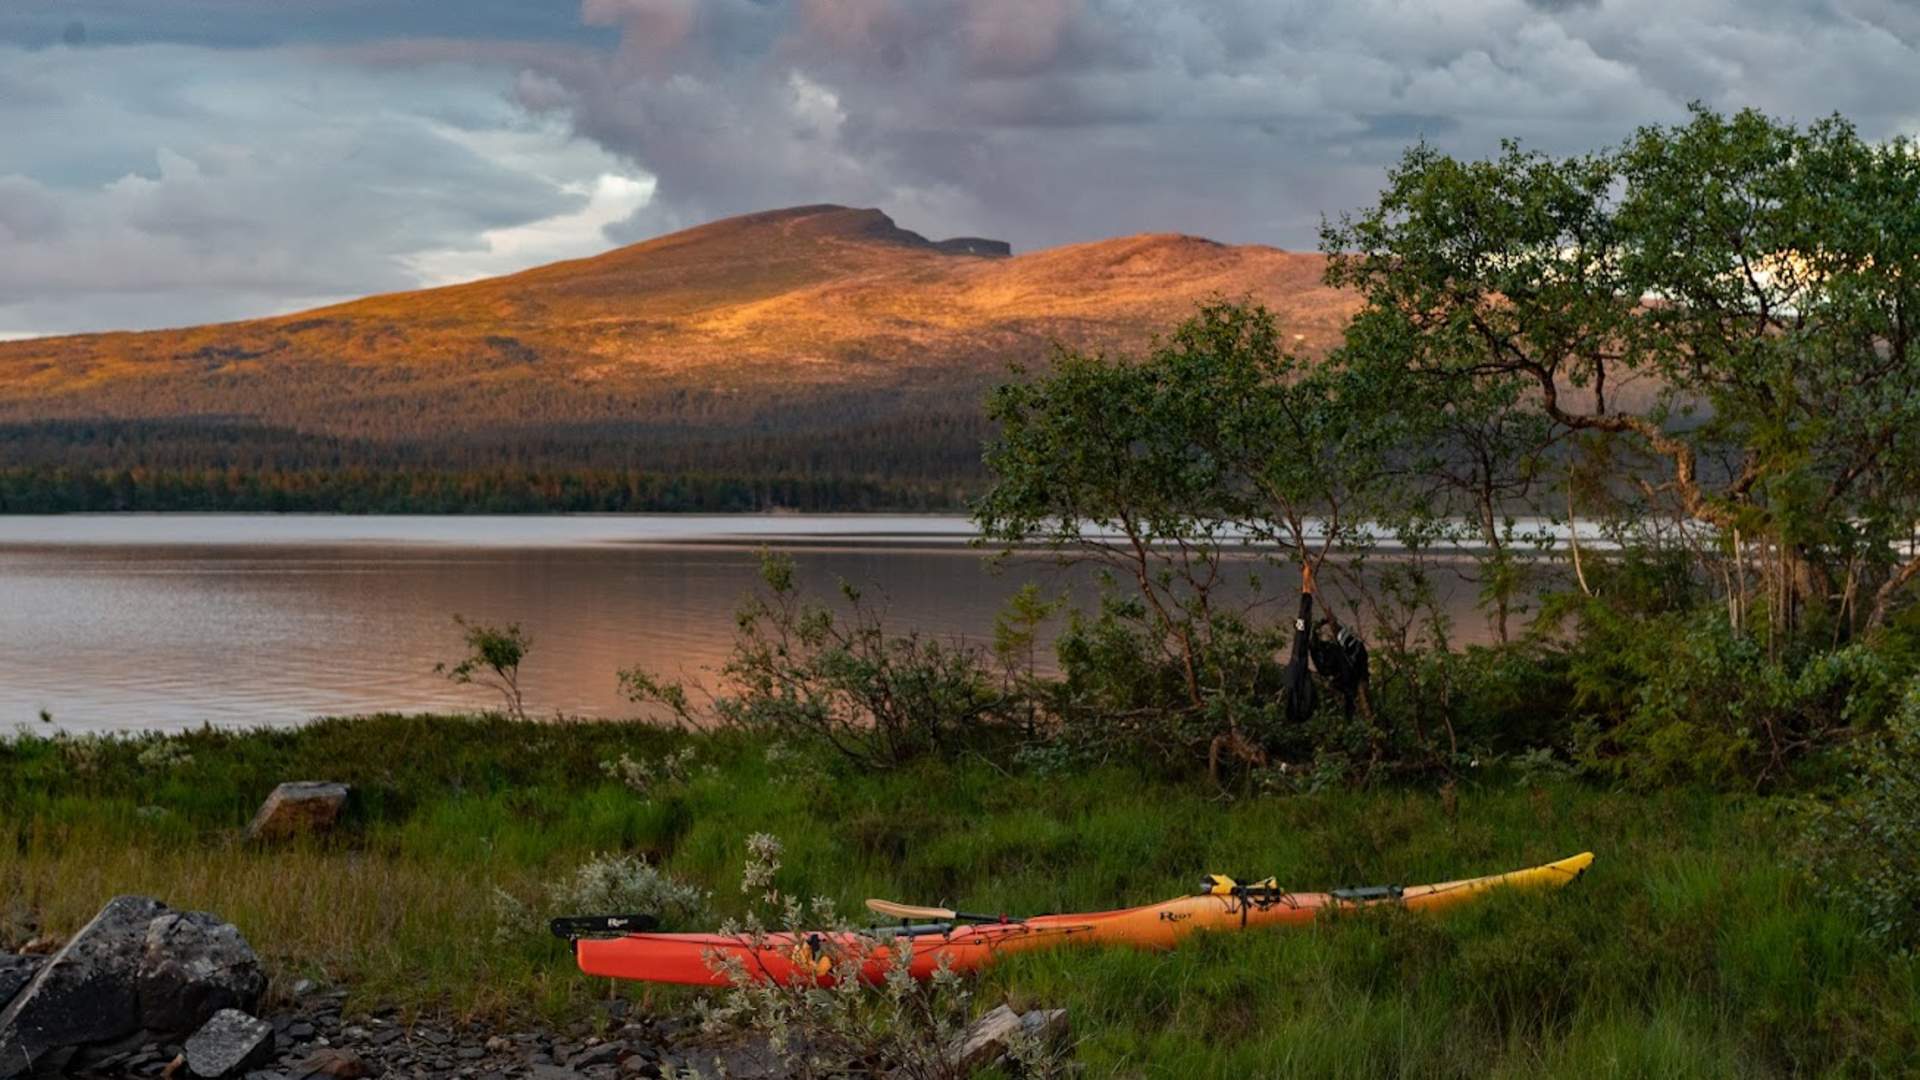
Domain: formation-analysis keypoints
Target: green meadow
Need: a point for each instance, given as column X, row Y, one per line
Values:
column 1692, row 948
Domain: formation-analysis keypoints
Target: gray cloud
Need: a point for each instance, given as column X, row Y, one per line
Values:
column 375, row 131
column 164, row 188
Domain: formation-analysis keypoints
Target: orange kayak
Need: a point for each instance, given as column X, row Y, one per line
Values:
column 701, row 959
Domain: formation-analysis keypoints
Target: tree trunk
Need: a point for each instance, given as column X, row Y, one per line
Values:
column 1884, row 596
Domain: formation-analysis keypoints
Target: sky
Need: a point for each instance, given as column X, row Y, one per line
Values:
column 170, row 162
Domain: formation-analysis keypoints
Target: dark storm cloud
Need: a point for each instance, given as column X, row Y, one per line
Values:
column 1053, row 120
column 1040, row 121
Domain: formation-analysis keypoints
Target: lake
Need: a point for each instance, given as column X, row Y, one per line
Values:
column 129, row 622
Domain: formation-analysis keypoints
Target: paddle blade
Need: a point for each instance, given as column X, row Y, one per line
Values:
column 908, row 911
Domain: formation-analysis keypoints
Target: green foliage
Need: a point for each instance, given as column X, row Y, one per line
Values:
column 1688, row 949
column 1507, row 298
column 802, row 670
column 1183, row 477
column 604, row 884
column 492, row 661
column 840, row 1024
column 1682, row 698
column 1862, row 848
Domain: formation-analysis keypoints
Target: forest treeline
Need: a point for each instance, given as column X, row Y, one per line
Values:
column 925, row 463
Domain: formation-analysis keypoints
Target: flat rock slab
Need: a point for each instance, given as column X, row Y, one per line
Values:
column 15, row 973
column 232, row 1042
column 299, row 808
column 86, row 993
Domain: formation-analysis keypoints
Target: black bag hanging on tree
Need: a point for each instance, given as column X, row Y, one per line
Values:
column 1342, row 661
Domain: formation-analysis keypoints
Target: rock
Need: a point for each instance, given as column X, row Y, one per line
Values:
column 108, row 1056
column 194, row 965
column 604, row 1054
column 232, row 1042
column 298, row 809
column 85, row 993
column 15, row 973
column 338, row 1064
column 986, row 1040
column 1045, row 1025
column 552, row 1072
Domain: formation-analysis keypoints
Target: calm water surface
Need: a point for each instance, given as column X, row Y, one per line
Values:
column 120, row 622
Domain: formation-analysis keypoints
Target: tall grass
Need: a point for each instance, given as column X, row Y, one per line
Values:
column 1687, row 950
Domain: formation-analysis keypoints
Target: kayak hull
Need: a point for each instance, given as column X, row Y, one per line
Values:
column 711, row 959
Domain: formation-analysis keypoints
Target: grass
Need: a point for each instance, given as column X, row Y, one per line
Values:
column 1690, row 949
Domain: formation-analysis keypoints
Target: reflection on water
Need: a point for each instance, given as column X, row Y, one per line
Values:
column 130, row 623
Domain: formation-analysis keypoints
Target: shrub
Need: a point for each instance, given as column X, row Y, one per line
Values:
column 836, row 1024
column 1684, row 698
column 1863, row 850
column 603, row 885
column 802, row 671
column 645, row 778
column 493, row 660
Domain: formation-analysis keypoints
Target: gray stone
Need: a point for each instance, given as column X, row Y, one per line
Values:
column 232, row 1042
column 604, row 1054
column 337, row 1064
column 298, row 809
column 986, row 1041
column 15, row 973
column 192, row 966
column 1045, row 1026
column 85, row 993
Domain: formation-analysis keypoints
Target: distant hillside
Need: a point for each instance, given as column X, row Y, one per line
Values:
column 815, row 345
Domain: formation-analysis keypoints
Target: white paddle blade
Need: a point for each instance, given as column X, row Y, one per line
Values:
column 907, row 911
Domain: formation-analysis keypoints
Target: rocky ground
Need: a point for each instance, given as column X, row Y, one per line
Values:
column 314, row 1039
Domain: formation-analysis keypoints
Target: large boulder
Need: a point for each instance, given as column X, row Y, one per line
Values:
column 138, row 965
column 192, row 966
column 297, row 809
column 229, row 1044
column 88, row 992
column 15, row 973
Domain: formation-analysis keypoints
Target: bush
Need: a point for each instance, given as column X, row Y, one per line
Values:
column 1684, row 698
column 836, row 1024
column 1863, row 850
column 603, row 885
column 802, row 671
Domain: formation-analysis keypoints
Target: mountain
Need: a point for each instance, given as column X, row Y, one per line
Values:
column 818, row 340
